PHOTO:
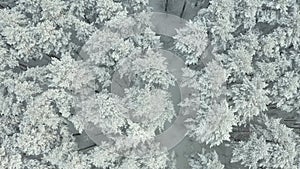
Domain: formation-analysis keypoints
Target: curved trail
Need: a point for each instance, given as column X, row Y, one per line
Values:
column 163, row 24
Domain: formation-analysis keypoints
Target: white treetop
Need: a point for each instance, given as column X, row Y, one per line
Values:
column 272, row 145
column 57, row 58
column 192, row 40
column 46, row 87
column 205, row 160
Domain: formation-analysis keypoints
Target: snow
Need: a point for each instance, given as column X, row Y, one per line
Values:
column 177, row 131
column 174, row 137
column 175, row 7
column 166, row 24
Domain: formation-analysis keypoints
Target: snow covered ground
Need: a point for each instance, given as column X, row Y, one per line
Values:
column 175, row 8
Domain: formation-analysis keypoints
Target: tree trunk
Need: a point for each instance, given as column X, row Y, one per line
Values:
column 166, row 5
column 76, row 134
column 183, row 8
column 85, row 148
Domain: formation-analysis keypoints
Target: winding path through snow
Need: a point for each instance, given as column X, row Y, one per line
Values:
column 163, row 24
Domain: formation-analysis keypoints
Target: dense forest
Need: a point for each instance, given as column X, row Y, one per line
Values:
column 149, row 84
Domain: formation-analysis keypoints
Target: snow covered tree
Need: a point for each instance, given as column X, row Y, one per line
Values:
column 150, row 69
column 192, row 40
column 278, row 54
column 151, row 108
column 213, row 118
column 205, row 160
column 213, row 124
column 37, row 29
column 272, row 145
column 130, row 121
column 218, row 18
column 105, row 111
column 66, row 155
column 44, row 82
column 242, row 58
column 148, row 156
column 131, row 48
column 254, row 40
column 287, row 88
column 250, row 152
column 249, row 99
